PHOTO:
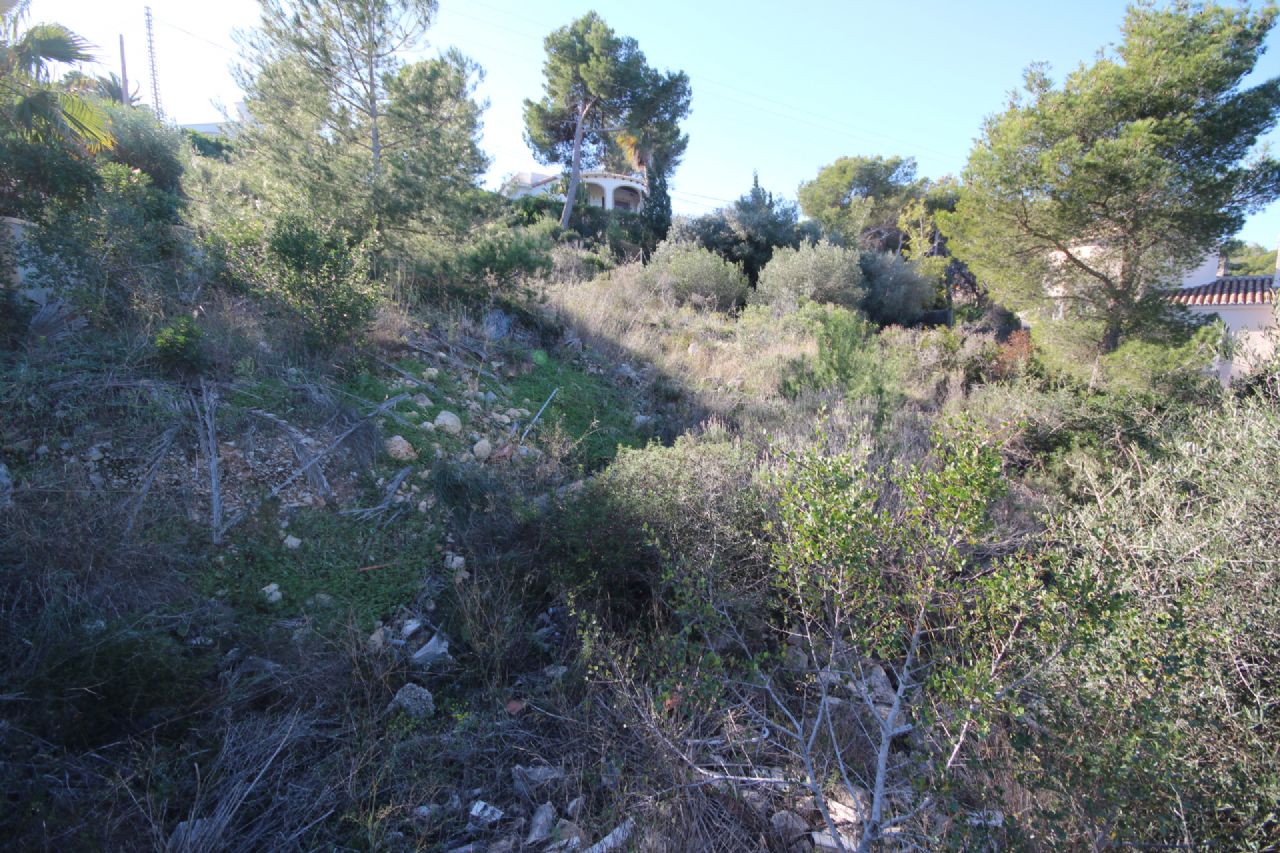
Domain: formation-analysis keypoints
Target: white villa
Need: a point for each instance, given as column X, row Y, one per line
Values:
column 1246, row 304
column 609, row 190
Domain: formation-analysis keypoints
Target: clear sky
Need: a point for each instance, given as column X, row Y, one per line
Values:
column 778, row 88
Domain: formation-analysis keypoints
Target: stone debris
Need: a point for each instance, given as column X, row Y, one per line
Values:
column 614, row 840
column 398, row 447
column 292, row 542
column 482, row 450
column 483, row 814
column 574, row 809
column 449, row 422
column 825, row 842
column 544, row 818
column 409, row 628
column 271, row 592
column 422, row 401
column 436, row 650
column 528, row 780
column 414, row 700
column 789, row 826
column 454, row 562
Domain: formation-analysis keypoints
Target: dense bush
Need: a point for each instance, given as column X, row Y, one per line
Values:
column 503, row 255
column 849, row 359
column 178, row 346
column 692, row 275
column 142, row 142
column 116, row 249
column 323, row 275
column 35, row 175
column 821, row 272
column 662, row 520
column 897, row 292
column 1168, row 732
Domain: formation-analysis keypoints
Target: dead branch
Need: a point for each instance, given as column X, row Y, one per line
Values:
column 388, row 497
column 149, row 478
column 525, row 434
column 299, row 444
column 206, row 411
column 337, row 442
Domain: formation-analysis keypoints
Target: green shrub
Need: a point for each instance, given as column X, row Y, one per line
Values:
column 323, row 274
column 692, row 275
column 897, row 292
column 1168, row 731
column 178, row 346
column 660, row 522
column 142, row 142
column 849, row 358
column 503, row 255
column 821, row 272
column 117, row 250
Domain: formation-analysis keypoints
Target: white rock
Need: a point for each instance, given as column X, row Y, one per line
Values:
column 789, row 826
column 544, row 818
column 823, row 842
column 398, row 447
column 435, row 650
column 271, row 592
column 410, row 627
column 293, row 543
column 454, row 562
column 430, row 373
column 414, row 700
column 94, row 455
column 484, row 814
column 482, row 450
column 449, row 422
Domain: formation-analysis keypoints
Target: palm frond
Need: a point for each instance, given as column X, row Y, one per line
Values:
column 86, row 120
column 46, row 43
column 41, row 112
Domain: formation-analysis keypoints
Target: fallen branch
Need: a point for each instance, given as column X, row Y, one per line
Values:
column 388, row 496
column 337, row 442
column 525, row 434
column 149, row 478
column 422, row 383
column 206, row 412
column 459, row 362
column 298, row 444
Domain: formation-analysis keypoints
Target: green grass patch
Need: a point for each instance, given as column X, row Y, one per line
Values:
column 367, row 569
column 588, row 410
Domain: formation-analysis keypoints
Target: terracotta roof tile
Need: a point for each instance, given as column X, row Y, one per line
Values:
column 1229, row 290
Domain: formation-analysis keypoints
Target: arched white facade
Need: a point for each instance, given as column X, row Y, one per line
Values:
column 609, row 190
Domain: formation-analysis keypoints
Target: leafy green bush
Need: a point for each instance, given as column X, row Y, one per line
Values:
column 897, row 292
column 503, row 255
column 142, row 142
column 178, row 346
column 692, row 275
column 1166, row 734
column 323, row 275
column 660, row 521
column 117, row 249
column 849, row 358
column 821, row 272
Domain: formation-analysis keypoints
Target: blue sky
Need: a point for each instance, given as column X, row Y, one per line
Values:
column 782, row 89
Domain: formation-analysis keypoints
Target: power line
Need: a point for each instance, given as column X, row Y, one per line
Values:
column 218, row 45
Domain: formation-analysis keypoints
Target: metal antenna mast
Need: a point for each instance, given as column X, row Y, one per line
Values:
column 155, row 77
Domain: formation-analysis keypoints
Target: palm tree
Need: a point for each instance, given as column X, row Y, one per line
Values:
column 28, row 101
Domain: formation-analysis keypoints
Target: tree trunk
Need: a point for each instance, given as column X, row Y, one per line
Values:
column 575, row 167
column 1111, row 335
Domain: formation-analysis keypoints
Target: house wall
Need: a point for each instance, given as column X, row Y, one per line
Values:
column 1253, row 331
